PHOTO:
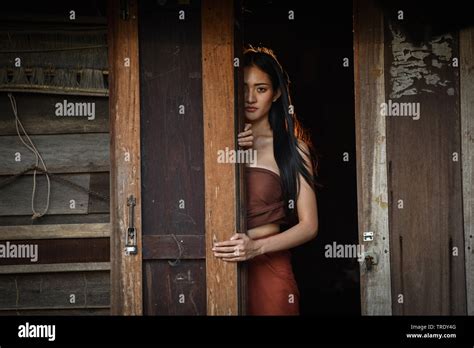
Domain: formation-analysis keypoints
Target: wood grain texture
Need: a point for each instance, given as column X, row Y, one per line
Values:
column 52, row 251
column 166, row 247
column 37, row 114
column 124, row 106
column 423, row 175
column 17, row 196
column 71, row 153
column 98, row 230
column 219, row 124
column 466, row 51
column 174, row 289
column 371, row 155
column 58, row 311
column 56, row 267
column 75, row 290
column 172, row 156
column 241, row 190
column 54, row 219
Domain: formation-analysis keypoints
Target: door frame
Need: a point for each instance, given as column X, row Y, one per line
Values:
column 371, row 154
column 125, row 179
column 223, row 190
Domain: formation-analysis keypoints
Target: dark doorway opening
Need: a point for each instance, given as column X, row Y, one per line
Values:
column 318, row 59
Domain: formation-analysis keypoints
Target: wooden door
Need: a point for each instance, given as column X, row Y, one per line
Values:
column 187, row 115
column 172, row 159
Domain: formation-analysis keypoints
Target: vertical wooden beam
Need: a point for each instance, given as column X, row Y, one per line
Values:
column 240, row 176
column 219, row 123
column 466, row 48
column 371, row 155
column 124, row 102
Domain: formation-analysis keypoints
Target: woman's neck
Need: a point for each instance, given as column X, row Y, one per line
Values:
column 261, row 127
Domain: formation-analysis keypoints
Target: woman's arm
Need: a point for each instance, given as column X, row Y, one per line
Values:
column 240, row 247
column 307, row 227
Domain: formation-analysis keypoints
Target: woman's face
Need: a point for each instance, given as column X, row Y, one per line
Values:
column 259, row 94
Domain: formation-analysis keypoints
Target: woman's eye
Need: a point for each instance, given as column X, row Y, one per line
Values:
column 261, row 90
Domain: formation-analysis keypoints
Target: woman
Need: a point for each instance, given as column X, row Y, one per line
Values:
column 279, row 190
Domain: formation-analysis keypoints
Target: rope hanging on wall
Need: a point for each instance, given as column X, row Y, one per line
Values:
column 31, row 146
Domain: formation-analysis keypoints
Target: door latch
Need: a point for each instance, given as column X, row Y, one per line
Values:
column 370, row 259
column 131, row 235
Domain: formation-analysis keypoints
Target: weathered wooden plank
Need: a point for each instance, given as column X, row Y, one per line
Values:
column 38, row 115
column 100, row 185
column 371, row 155
column 55, row 291
column 17, row 196
column 99, row 230
column 126, row 270
column 69, row 153
column 177, row 290
column 57, row 311
column 54, row 219
column 174, row 247
column 425, row 209
column 64, row 199
column 466, row 51
column 218, row 99
column 59, row 21
column 56, row 267
column 49, row 251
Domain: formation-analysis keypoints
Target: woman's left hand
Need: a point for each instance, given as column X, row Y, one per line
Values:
column 239, row 248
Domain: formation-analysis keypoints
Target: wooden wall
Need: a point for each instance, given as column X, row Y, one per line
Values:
column 424, row 168
column 71, row 275
column 406, row 57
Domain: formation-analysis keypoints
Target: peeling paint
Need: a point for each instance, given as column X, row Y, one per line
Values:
column 417, row 68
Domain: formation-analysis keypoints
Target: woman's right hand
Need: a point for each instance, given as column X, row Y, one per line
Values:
column 245, row 138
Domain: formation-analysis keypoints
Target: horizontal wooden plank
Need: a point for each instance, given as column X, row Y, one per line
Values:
column 55, row 290
column 96, row 92
column 57, row 311
column 100, row 184
column 64, row 21
column 167, row 247
column 62, row 153
column 56, row 267
column 99, row 230
column 49, row 251
column 55, row 219
column 64, row 198
column 17, row 196
column 37, row 113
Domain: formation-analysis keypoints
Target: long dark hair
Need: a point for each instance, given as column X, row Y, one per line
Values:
column 287, row 131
